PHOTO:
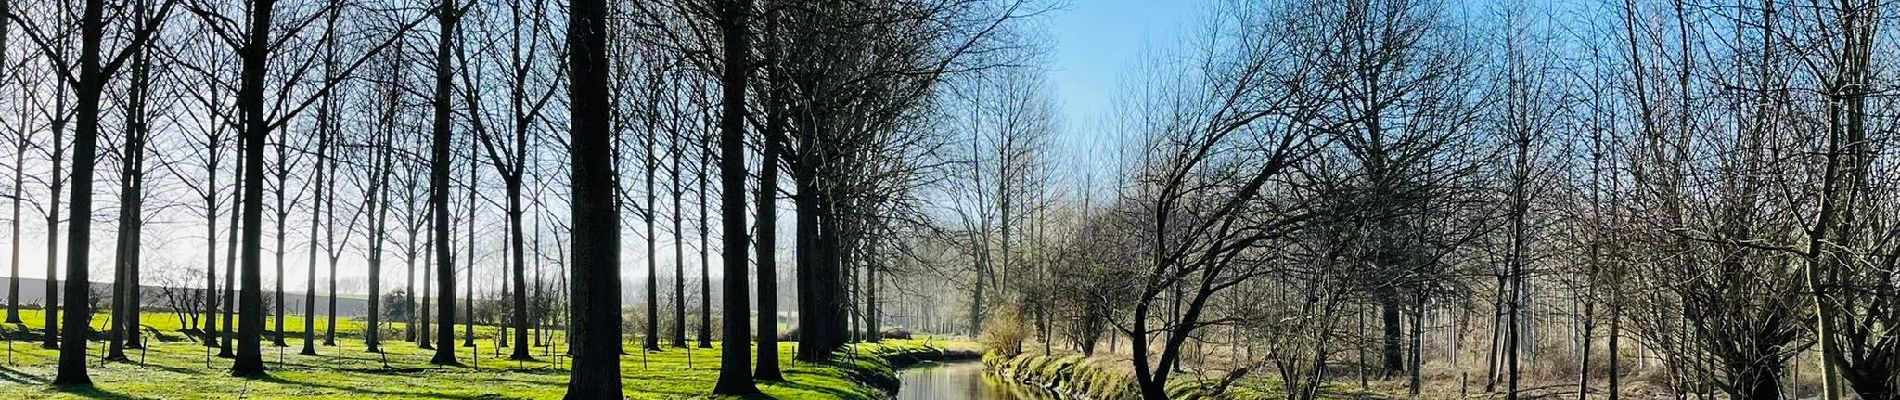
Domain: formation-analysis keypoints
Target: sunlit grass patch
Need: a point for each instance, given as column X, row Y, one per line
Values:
column 178, row 367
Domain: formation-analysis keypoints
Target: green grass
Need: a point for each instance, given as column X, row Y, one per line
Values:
column 176, row 368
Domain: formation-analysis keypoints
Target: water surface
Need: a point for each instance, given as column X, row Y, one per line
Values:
column 962, row 381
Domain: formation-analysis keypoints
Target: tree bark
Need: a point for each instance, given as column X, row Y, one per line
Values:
column 439, row 191
column 72, row 349
column 705, row 267
column 19, row 165
column 595, row 288
column 250, row 358
column 734, row 369
column 679, row 246
column 125, row 317
column 767, row 246
column 51, row 307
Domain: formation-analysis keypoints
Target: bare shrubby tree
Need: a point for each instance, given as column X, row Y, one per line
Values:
column 1217, row 138
column 180, row 297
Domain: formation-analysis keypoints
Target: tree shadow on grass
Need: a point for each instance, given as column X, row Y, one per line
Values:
column 367, row 392
column 549, row 371
column 162, row 367
column 385, row 371
column 91, row 392
column 16, row 376
column 833, row 392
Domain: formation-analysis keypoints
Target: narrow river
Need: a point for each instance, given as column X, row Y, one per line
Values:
column 963, row 380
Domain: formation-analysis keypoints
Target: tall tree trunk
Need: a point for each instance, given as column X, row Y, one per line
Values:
column 767, row 244
column 439, row 191
column 72, row 349
column 1393, row 349
column 595, row 289
column 250, row 358
column 821, row 311
column 734, row 371
column 518, row 310
column 125, row 317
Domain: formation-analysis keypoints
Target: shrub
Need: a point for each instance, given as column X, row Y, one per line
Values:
column 1005, row 330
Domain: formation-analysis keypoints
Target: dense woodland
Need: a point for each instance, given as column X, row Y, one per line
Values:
column 1698, row 193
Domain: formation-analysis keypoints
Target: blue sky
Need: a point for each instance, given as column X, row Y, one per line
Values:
column 1095, row 42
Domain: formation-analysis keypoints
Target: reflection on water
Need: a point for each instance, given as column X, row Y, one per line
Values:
column 962, row 381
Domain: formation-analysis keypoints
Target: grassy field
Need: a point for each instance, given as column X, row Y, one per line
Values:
column 176, row 368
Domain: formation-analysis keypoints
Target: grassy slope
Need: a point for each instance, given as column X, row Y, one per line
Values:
column 177, row 369
column 1112, row 379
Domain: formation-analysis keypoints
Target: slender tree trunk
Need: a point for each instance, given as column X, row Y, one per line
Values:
column 653, row 255
column 52, row 226
column 1415, row 381
column 125, row 318
column 316, row 217
column 377, row 201
column 1616, row 373
column 19, row 165
column 428, row 308
column 409, row 288
column 679, row 246
column 468, row 312
column 211, row 244
column 535, row 311
column 329, row 205
column 705, row 268
column 283, row 217
column 1583, row 351
column 871, row 330
column 231, row 252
